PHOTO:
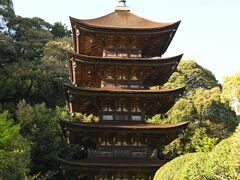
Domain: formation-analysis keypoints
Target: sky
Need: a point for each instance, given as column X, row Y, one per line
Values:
column 209, row 32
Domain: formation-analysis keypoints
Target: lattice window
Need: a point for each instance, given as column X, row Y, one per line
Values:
column 108, row 117
column 122, row 86
column 109, row 53
column 135, row 55
column 135, row 86
column 136, row 118
column 123, row 55
column 122, row 117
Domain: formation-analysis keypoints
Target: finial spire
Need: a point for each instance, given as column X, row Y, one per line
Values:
column 122, row 5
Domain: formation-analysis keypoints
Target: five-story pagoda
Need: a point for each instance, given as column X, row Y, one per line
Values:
column 116, row 59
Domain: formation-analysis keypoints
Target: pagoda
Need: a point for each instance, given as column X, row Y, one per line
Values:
column 117, row 58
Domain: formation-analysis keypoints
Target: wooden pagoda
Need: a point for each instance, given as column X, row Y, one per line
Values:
column 116, row 59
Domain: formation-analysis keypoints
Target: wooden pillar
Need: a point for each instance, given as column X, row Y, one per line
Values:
column 74, row 38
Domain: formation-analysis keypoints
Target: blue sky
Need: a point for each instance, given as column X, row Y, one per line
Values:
column 209, row 32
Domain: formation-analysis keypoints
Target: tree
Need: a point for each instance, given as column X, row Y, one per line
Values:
column 54, row 63
column 231, row 90
column 40, row 126
column 223, row 162
column 191, row 75
column 26, row 80
column 14, row 150
column 8, row 52
column 30, row 36
column 210, row 119
column 60, row 30
column 173, row 169
column 6, row 12
column 55, row 59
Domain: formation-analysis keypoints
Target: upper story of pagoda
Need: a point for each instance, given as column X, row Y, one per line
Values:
column 122, row 34
column 118, row 57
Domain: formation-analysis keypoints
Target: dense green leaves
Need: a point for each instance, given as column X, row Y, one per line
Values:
column 54, row 59
column 6, row 9
column 210, row 118
column 37, row 82
column 7, row 50
column 173, row 169
column 26, row 80
column 40, row 126
column 30, row 35
column 231, row 90
column 14, row 150
column 6, row 13
column 222, row 163
column 191, row 75
column 60, row 30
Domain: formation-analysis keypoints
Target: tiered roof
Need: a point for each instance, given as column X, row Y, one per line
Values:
column 152, row 71
column 152, row 37
column 116, row 59
column 122, row 21
column 88, row 100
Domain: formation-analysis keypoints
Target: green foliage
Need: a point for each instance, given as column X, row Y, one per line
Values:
column 60, row 30
column 209, row 106
column 37, row 81
column 7, row 50
column 54, row 59
column 19, row 25
column 40, row 126
column 222, row 163
column 210, row 118
column 56, row 50
column 195, row 139
column 30, row 36
column 6, row 12
column 231, row 90
column 191, row 75
column 200, row 141
column 14, row 150
column 6, row 8
column 26, row 80
column 173, row 169
column 65, row 115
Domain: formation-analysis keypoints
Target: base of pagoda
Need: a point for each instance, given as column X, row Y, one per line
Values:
column 113, row 168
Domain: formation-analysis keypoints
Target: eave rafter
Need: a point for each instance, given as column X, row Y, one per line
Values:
column 87, row 100
column 152, row 41
column 90, row 70
column 93, row 134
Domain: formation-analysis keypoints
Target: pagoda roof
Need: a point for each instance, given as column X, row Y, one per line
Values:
column 125, row 61
column 122, row 20
column 122, row 92
column 113, row 163
column 146, row 133
column 86, row 100
column 123, row 125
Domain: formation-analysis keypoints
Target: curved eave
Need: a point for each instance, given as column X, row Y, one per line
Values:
column 123, row 126
column 123, row 61
column 92, row 28
column 123, row 92
column 111, row 163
